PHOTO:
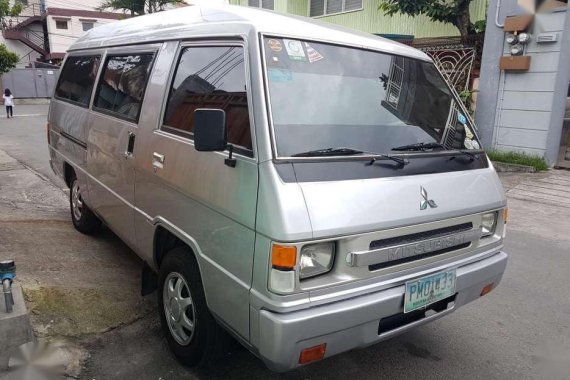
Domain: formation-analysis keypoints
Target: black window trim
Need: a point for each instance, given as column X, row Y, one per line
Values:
column 76, row 103
column 109, row 54
column 238, row 41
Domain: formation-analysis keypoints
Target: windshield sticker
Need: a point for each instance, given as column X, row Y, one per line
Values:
column 279, row 75
column 274, row 45
column 314, row 55
column 295, row 50
column 462, row 119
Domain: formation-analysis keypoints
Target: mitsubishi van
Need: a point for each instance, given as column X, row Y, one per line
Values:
column 304, row 188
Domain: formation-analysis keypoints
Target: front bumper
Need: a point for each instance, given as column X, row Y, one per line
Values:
column 353, row 323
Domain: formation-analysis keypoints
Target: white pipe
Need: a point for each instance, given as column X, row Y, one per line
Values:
column 497, row 15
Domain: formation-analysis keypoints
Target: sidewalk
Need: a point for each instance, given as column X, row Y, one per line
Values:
column 73, row 284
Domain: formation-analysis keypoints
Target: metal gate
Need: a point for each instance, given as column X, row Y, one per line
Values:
column 30, row 83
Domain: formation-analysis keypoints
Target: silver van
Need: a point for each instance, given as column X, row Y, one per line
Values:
column 306, row 188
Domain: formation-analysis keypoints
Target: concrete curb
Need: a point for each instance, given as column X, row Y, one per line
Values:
column 503, row 167
column 15, row 328
column 31, row 101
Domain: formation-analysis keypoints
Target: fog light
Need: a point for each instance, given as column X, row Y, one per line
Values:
column 312, row 354
column 487, row 289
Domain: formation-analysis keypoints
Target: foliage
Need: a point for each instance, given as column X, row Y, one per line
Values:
column 466, row 97
column 137, row 7
column 455, row 12
column 537, row 162
column 7, row 10
column 8, row 60
column 480, row 26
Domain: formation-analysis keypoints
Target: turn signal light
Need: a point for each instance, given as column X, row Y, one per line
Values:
column 283, row 256
column 487, row 289
column 312, row 354
column 506, row 214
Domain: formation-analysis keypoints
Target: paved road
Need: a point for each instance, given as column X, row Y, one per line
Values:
column 521, row 330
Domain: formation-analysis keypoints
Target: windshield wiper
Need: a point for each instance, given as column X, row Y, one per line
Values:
column 431, row 146
column 329, row 152
column 351, row 152
column 420, row 146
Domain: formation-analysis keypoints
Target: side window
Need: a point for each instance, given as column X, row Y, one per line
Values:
column 122, row 84
column 77, row 78
column 210, row 77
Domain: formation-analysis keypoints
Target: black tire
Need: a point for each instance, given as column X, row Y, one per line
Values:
column 209, row 341
column 86, row 221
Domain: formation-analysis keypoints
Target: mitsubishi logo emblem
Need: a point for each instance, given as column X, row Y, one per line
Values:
column 426, row 202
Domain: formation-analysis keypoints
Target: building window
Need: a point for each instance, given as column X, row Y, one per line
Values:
column 211, row 77
column 61, row 24
column 122, row 85
column 265, row 4
column 329, row 7
column 87, row 26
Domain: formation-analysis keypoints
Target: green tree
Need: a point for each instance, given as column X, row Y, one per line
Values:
column 137, row 7
column 8, row 60
column 7, row 10
column 455, row 12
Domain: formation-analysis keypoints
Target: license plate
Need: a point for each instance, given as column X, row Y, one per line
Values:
column 427, row 290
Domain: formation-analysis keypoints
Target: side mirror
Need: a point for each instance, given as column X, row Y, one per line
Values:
column 210, row 132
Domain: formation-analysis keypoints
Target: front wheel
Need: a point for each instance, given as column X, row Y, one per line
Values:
column 192, row 333
column 84, row 220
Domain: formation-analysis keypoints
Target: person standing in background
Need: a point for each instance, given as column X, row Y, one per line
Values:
column 8, row 102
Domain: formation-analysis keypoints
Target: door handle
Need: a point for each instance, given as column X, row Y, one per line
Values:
column 130, row 146
column 157, row 161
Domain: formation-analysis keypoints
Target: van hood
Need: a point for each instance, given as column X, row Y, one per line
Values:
column 363, row 205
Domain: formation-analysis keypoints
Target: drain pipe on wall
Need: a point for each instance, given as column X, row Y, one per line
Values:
column 497, row 15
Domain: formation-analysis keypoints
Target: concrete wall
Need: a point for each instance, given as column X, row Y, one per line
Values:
column 523, row 111
column 25, row 53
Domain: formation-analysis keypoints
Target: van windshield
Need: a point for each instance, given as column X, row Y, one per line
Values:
column 328, row 97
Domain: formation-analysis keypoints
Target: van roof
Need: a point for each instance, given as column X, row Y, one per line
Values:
column 193, row 21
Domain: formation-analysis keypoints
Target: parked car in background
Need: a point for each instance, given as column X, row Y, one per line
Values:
column 305, row 188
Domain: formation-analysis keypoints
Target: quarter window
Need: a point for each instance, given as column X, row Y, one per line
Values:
column 210, row 77
column 77, row 78
column 266, row 4
column 328, row 7
column 122, row 84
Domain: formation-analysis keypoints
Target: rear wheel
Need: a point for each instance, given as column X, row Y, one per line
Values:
column 192, row 333
column 84, row 220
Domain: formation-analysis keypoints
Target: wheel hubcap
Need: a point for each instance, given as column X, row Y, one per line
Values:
column 76, row 201
column 179, row 308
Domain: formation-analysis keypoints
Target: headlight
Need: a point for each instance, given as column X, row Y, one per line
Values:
column 488, row 224
column 316, row 259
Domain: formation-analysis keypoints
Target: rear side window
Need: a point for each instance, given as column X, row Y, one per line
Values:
column 77, row 78
column 122, row 84
column 211, row 77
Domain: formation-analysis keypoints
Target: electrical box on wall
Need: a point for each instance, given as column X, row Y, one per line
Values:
column 517, row 37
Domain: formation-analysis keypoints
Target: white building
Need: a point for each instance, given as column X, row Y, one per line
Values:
column 46, row 28
column 64, row 26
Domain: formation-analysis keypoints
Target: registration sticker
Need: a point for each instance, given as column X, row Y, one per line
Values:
column 314, row 55
column 462, row 119
column 295, row 50
column 279, row 75
column 427, row 290
column 274, row 45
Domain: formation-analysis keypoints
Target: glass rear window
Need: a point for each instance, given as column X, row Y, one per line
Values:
column 77, row 78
